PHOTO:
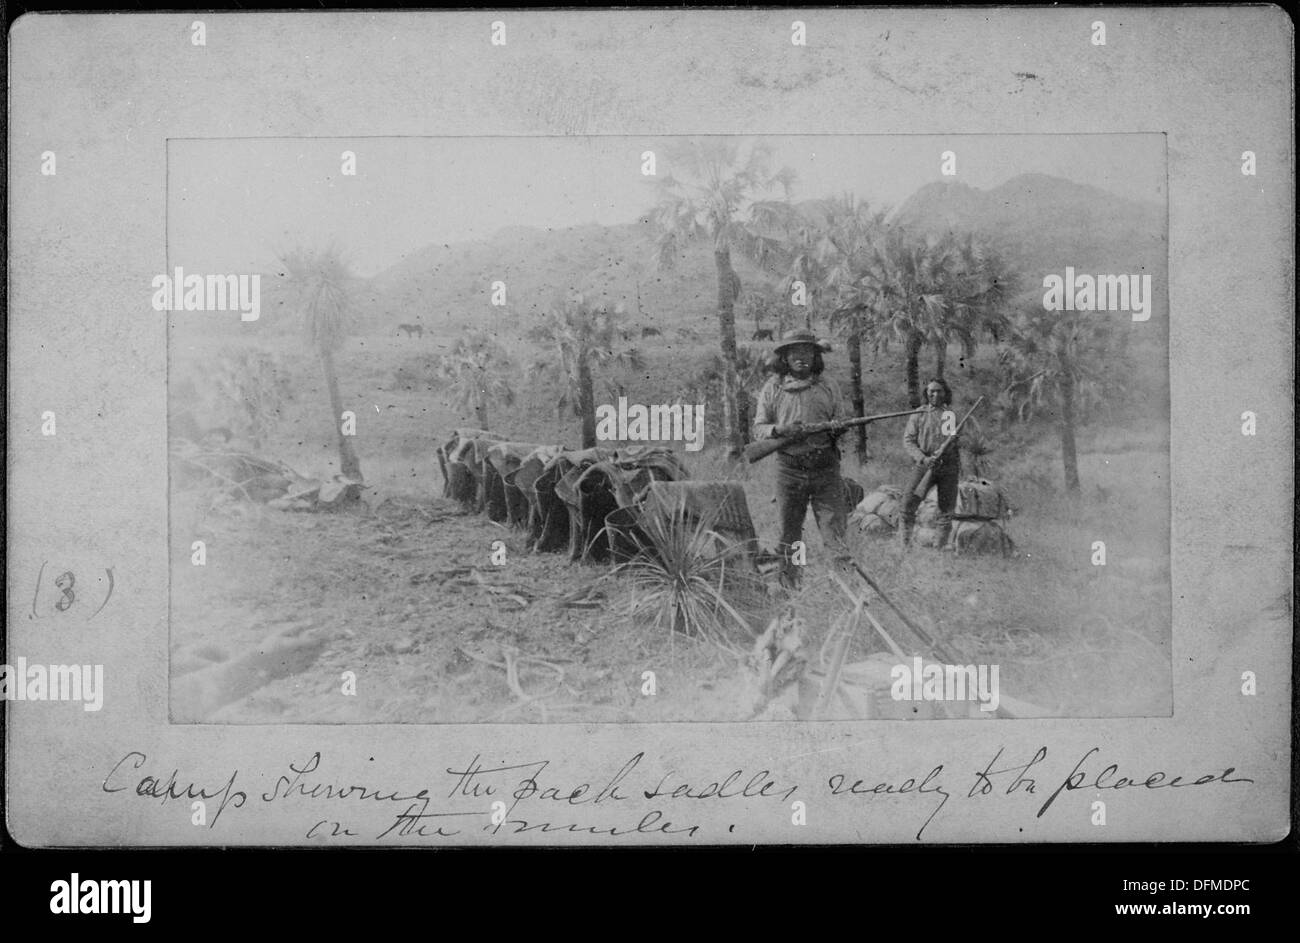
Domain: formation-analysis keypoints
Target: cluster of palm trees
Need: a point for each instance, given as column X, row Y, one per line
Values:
column 872, row 281
column 842, row 263
column 839, row 259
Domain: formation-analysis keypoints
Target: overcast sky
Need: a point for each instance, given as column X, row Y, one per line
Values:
column 232, row 204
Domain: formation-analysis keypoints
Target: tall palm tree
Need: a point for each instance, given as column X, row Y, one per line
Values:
column 832, row 252
column 474, row 368
column 981, row 283
column 927, row 289
column 323, row 291
column 584, row 335
column 714, row 196
column 1072, row 357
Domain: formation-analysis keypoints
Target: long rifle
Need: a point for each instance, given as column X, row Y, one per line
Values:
column 757, row 451
column 1008, row 706
column 924, row 484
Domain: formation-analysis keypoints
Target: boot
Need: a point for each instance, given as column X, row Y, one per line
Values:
column 905, row 530
column 941, row 534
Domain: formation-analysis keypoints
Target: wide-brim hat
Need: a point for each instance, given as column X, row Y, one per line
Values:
column 793, row 338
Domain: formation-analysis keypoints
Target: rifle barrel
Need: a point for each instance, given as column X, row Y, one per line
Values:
column 862, row 420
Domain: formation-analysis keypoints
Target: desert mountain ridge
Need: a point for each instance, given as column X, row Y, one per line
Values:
column 1042, row 223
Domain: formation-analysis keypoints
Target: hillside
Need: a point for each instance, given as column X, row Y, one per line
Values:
column 446, row 285
column 1045, row 223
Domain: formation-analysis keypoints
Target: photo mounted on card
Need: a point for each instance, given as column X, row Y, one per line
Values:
column 619, row 427
column 520, row 440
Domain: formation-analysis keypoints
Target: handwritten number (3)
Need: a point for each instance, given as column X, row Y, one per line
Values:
column 65, row 581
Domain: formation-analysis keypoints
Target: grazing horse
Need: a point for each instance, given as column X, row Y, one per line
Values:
column 650, row 332
column 411, row 329
column 763, row 334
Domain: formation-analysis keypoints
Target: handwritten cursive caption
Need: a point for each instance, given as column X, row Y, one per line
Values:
column 495, row 799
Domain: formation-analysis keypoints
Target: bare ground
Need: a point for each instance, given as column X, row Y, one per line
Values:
column 402, row 594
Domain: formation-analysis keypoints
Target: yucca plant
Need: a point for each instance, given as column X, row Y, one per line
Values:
column 688, row 578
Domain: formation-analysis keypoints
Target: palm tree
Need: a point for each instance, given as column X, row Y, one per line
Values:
column 717, row 189
column 981, row 284
column 752, row 366
column 827, row 256
column 889, row 293
column 930, row 289
column 323, row 291
column 1072, row 357
column 474, row 368
column 584, row 335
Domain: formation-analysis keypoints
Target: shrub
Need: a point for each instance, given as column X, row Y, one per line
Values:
column 688, row 578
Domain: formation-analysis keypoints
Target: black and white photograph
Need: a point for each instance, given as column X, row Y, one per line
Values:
column 671, row 427
column 509, row 430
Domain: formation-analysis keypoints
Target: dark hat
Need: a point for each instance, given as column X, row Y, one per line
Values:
column 791, row 338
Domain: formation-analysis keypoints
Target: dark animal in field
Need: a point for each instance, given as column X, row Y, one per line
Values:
column 651, row 332
column 412, row 330
column 763, row 334
column 600, row 481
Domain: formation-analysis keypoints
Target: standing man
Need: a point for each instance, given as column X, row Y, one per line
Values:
column 925, row 433
column 808, row 469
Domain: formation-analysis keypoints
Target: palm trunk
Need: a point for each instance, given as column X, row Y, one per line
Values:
column 1068, row 454
column 480, row 413
column 855, row 382
column 586, row 402
column 940, row 358
column 349, row 465
column 734, row 401
column 913, row 369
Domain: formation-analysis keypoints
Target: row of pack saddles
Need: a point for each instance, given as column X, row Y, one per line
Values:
column 594, row 502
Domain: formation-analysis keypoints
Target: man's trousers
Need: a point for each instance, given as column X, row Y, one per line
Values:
column 812, row 478
column 947, row 474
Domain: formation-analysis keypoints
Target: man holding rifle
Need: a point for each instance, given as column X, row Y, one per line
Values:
column 933, row 440
column 808, row 464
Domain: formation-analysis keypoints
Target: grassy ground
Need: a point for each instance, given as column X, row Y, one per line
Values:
column 403, row 595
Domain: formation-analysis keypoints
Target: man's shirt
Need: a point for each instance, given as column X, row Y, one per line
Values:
column 785, row 400
column 924, row 435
